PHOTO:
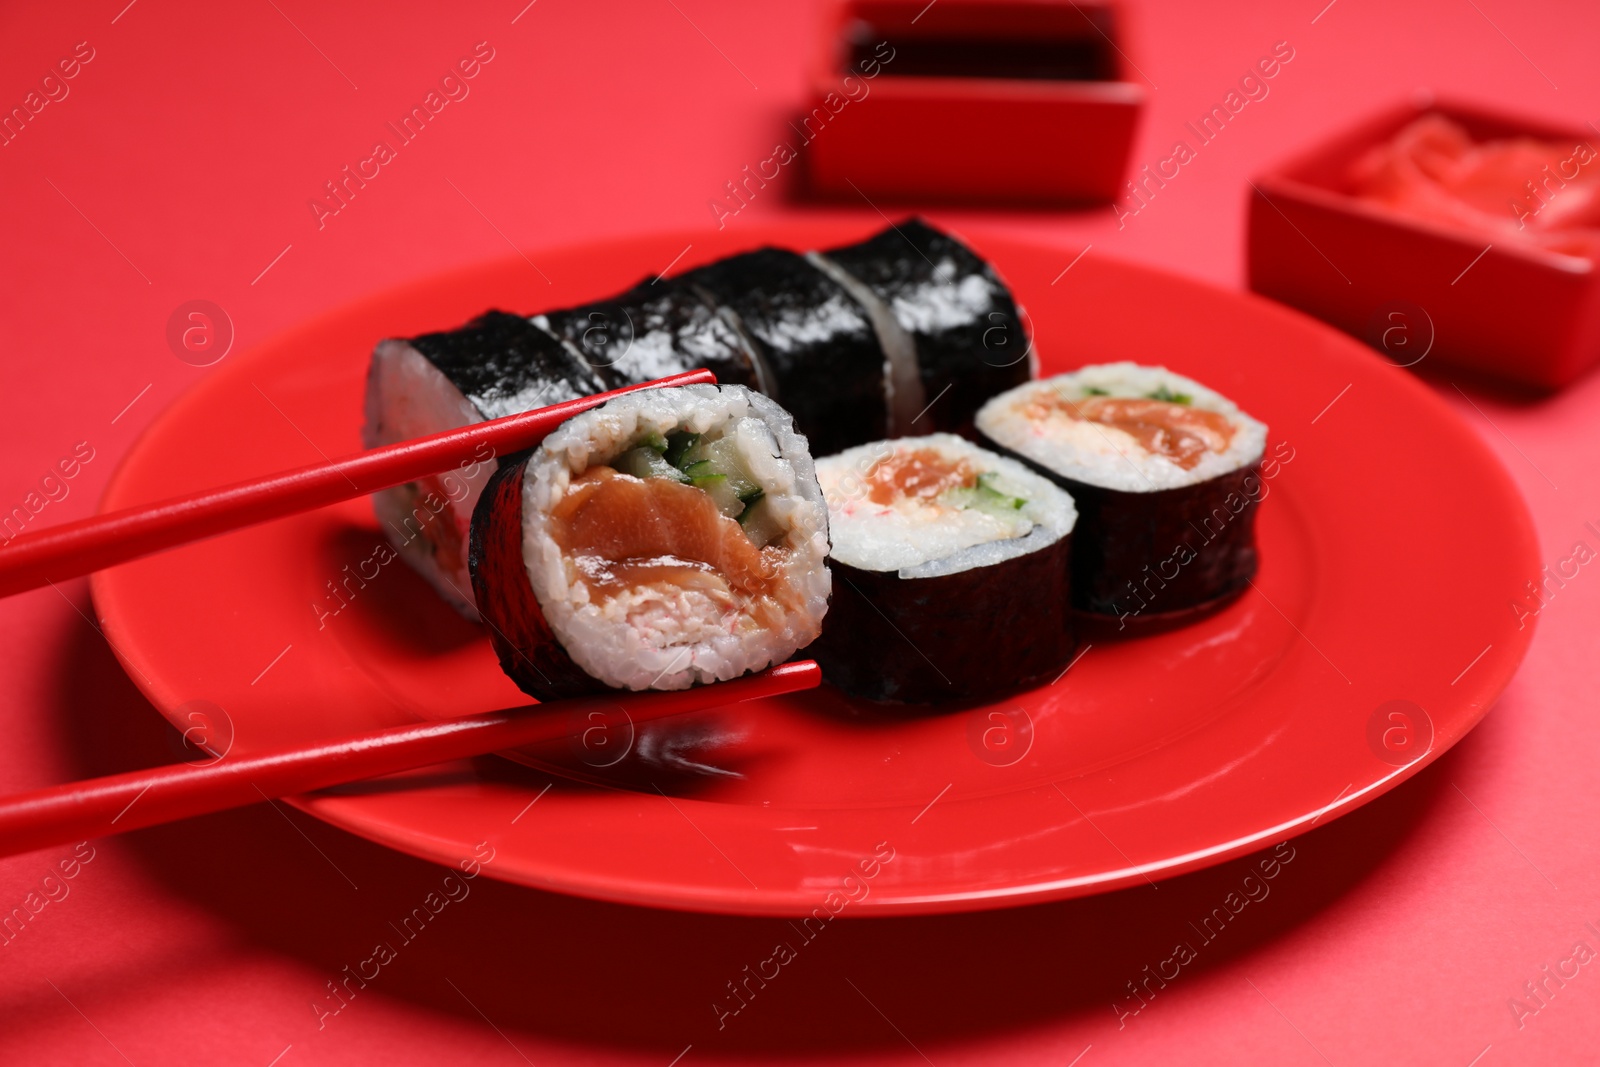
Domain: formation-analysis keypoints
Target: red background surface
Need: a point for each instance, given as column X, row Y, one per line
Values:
column 180, row 165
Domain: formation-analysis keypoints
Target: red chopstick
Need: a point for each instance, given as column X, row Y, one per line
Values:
column 103, row 806
column 33, row 559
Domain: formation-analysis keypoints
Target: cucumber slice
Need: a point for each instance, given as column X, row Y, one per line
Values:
column 678, row 445
column 760, row 524
column 720, row 490
column 989, row 482
column 697, row 450
column 718, row 457
column 715, row 466
column 655, row 442
column 985, row 497
column 980, row 500
column 1163, row 393
column 723, row 453
column 743, row 487
column 646, row 462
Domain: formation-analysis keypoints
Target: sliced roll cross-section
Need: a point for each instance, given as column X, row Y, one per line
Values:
column 1167, row 477
column 952, row 568
column 666, row 538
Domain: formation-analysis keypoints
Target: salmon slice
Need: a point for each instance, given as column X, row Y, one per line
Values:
column 623, row 533
column 921, row 473
column 1182, row 433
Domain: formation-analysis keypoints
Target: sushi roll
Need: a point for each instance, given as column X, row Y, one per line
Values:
column 953, row 572
column 816, row 342
column 906, row 331
column 658, row 328
column 498, row 364
column 1166, row 475
column 948, row 309
column 666, row 538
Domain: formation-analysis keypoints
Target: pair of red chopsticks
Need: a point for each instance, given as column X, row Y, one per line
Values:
column 103, row 806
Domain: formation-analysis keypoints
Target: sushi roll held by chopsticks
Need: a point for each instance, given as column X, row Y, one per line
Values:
column 952, row 570
column 1166, row 476
column 666, row 538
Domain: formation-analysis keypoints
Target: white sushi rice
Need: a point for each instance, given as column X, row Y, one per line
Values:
column 925, row 538
column 655, row 638
column 1104, row 456
column 408, row 397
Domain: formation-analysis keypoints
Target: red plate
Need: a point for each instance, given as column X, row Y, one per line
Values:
column 1377, row 634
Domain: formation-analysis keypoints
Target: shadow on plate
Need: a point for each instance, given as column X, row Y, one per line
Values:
column 393, row 602
column 571, row 970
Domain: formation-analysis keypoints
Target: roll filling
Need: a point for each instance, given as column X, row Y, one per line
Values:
column 666, row 538
column 953, row 568
column 1165, row 473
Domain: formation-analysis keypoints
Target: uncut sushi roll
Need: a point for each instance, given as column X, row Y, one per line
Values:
column 1166, row 475
column 949, row 324
column 815, row 342
column 656, row 329
column 498, row 364
column 906, row 331
column 953, row 568
column 666, row 538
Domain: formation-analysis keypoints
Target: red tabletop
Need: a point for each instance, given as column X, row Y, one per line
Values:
column 1451, row 922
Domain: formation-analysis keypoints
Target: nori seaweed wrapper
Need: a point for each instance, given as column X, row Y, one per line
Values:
column 826, row 365
column 973, row 635
column 505, row 365
column 970, row 338
column 1144, row 559
column 676, row 751
column 656, row 329
column 528, row 649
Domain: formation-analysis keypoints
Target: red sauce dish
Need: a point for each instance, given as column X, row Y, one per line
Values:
column 912, row 100
column 1444, row 232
